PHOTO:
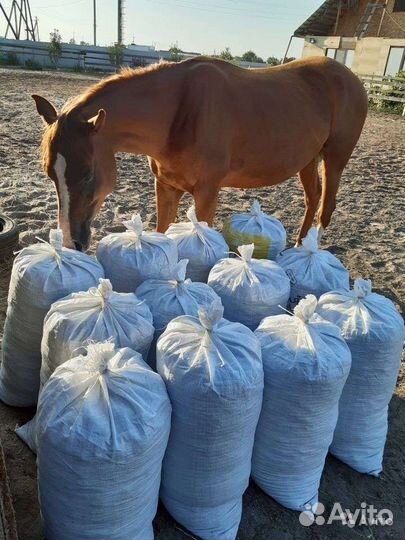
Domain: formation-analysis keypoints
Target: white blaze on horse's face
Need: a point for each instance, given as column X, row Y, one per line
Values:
column 63, row 198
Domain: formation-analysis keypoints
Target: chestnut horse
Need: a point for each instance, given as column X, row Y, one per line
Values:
column 204, row 124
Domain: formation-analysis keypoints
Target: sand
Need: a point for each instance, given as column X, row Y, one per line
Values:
column 367, row 233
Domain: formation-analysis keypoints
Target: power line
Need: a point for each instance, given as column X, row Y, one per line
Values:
column 221, row 9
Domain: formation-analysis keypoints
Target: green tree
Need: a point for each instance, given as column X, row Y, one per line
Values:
column 289, row 59
column 176, row 54
column 55, row 47
column 273, row 61
column 226, row 54
column 116, row 53
column 250, row 56
column 72, row 41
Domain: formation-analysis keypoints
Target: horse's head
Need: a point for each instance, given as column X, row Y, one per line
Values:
column 75, row 156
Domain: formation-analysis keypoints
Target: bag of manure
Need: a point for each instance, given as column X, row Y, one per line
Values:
column 312, row 270
column 374, row 332
column 171, row 297
column 74, row 322
column 250, row 289
column 103, row 426
column 306, row 363
column 214, row 377
column 41, row 274
column 199, row 243
column 265, row 232
column 130, row 257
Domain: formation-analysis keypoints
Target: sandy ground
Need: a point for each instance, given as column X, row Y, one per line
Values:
column 367, row 233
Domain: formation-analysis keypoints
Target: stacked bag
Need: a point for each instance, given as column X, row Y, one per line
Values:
column 82, row 318
column 103, row 424
column 171, row 297
column 42, row 273
column 265, row 232
column 306, row 363
column 250, row 289
column 312, row 270
column 214, row 377
column 130, row 257
column 374, row 332
column 199, row 243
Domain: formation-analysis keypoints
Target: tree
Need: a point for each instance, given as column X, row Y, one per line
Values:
column 72, row 41
column 289, row 59
column 250, row 56
column 116, row 53
column 175, row 53
column 55, row 47
column 226, row 54
column 273, row 61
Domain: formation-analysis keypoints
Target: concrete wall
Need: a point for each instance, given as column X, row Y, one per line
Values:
column 370, row 54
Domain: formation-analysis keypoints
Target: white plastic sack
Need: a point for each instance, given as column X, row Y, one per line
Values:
column 130, row 257
column 200, row 244
column 306, row 363
column 214, row 377
column 42, row 273
column 96, row 315
column 265, row 232
column 374, row 331
column 103, row 426
column 250, row 289
column 171, row 297
column 312, row 270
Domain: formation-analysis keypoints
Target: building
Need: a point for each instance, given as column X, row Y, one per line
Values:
column 368, row 37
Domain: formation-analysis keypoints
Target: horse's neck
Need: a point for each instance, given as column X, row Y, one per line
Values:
column 139, row 113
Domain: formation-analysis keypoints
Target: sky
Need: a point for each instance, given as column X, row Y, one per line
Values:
column 203, row 26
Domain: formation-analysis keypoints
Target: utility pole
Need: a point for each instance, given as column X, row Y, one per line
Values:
column 120, row 22
column 94, row 23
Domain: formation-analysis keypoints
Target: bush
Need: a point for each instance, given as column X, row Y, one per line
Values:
column 55, row 47
column 116, row 53
column 33, row 65
column 9, row 59
column 395, row 107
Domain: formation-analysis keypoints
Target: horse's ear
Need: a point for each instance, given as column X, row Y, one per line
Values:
column 45, row 109
column 98, row 121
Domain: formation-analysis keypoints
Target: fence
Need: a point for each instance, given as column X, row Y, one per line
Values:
column 391, row 89
column 87, row 57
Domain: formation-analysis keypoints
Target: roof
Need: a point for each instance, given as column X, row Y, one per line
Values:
column 321, row 22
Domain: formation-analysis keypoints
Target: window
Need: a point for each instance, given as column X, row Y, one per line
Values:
column 330, row 52
column 349, row 58
column 395, row 61
column 399, row 5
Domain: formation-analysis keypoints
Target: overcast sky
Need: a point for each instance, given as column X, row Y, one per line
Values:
column 204, row 26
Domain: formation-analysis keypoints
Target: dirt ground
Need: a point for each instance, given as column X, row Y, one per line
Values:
column 367, row 233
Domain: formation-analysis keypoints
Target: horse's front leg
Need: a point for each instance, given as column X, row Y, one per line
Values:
column 167, row 202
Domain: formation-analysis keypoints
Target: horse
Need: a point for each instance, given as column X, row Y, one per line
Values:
column 204, row 124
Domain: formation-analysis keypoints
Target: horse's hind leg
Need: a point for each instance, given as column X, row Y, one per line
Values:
column 334, row 161
column 310, row 181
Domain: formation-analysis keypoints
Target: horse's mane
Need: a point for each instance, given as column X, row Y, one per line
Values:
column 126, row 73
column 74, row 104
